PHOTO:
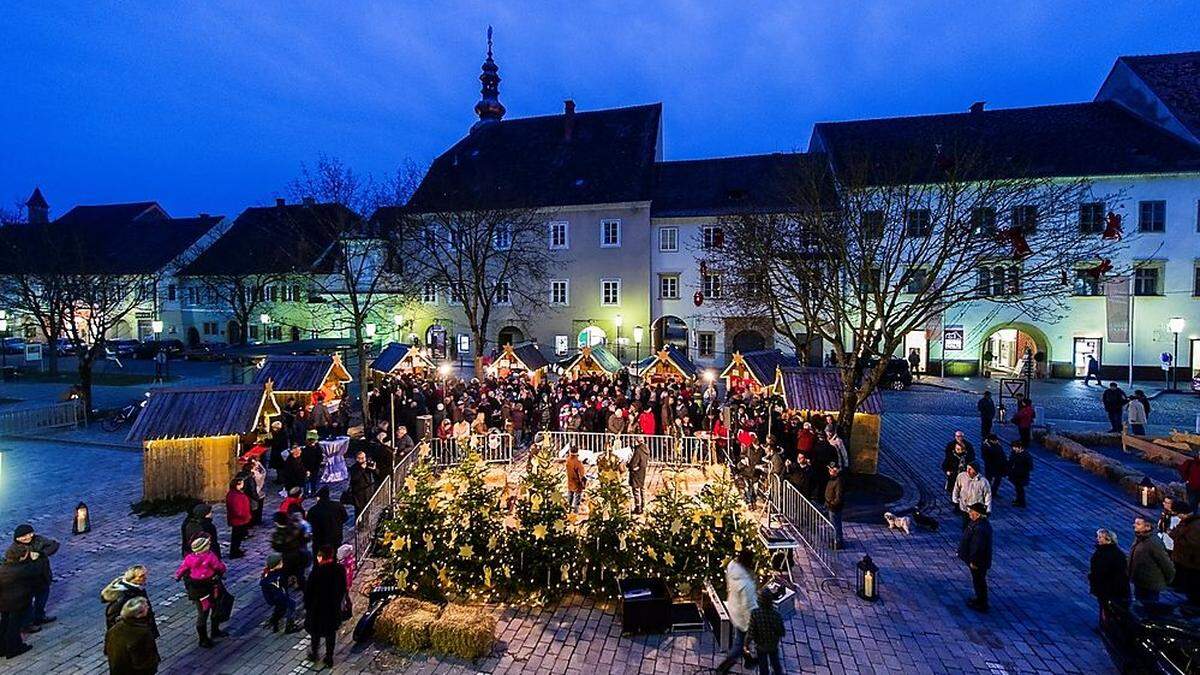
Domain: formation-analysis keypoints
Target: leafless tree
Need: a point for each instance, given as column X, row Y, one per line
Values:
column 30, row 291
column 866, row 254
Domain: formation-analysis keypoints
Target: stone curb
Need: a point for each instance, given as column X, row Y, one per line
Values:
column 1112, row 470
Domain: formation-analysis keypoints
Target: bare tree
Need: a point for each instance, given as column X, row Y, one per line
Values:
column 32, row 291
column 865, row 255
column 244, row 295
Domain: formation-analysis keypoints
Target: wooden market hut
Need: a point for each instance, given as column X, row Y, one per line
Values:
column 757, row 370
column 398, row 357
column 193, row 436
column 593, row 360
column 522, row 358
column 819, row 391
column 669, row 364
column 301, row 376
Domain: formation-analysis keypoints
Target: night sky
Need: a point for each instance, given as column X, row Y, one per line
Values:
column 214, row 107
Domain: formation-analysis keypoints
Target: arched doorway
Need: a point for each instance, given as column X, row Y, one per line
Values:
column 435, row 339
column 592, row 336
column 295, row 333
column 669, row 330
column 510, row 335
column 233, row 332
column 749, row 341
column 193, row 337
column 1015, row 350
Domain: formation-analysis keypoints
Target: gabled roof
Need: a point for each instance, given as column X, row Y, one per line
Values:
column 528, row 354
column 107, row 214
column 300, row 373
column 1069, row 140
column 762, row 364
column 726, row 185
column 673, row 357
column 36, row 200
column 396, row 353
column 202, row 412
column 598, row 355
column 606, row 156
column 275, row 240
column 1175, row 80
column 820, row 389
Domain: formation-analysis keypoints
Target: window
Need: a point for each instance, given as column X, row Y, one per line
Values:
column 872, row 225
column 1196, row 279
column 429, row 293
column 917, row 280
column 502, row 237
column 668, row 286
column 917, row 223
column 560, row 292
column 1091, row 217
column 275, row 332
column 711, row 237
column 503, row 293
column 999, row 281
column 272, row 293
column 610, row 292
column 253, row 331
column 1087, row 283
column 1147, row 279
column 707, row 342
column 1198, row 215
column 210, row 328
column 560, row 236
column 711, row 285
column 454, row 296
column 983, row 221
column 210, row 297
column 298, row 293
column 1024, row 218
column 171, row 291
column 1152, row 216
column 668, row 239
column 610, row 233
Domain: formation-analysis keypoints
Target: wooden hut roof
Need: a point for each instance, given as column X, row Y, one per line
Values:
column 529, row 355
column 301, row 373
column 599, row 355
column 390, row 357
column 762, row 364
column 820, row 389
column 203, row 412
column 672, row 356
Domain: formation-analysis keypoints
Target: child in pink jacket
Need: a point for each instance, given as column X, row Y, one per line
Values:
column 201, row 565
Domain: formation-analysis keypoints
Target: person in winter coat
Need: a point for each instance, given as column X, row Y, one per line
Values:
column 19, row 578
column 363, row 478
column 278, row 445
column 131, row 584
column 293, row 501
column 1020, row 466
column 1113, row 401
column 274, row 587
column 312, row 456
column 44, row 547
column 741, row 602
column 839, row 447
column 638, row 464
column 647, row 422
column 806, row 440
column 975, row 549
column 293, row 474
column 1150, row 568
column 970, row 488
column 255, row 475
column 327, row 518
column 289, row 541
column 324, row 598
column 766, row 630
column 576, row 479
column 129, row 643
column 987, row 413
column 995, row 462
column 199, row 523
column 1186, row 556
column 835, row 501
column 237, row 512
column 1135, row 412
column 201, row 573
column 958, row 454
column 1023, row 419
column 1189, row 471
column 1108, row 578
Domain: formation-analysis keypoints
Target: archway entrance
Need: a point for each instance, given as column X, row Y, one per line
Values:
column 669, row 330
column 435, row 339
column 295, row 334
column 193, row 337
column 749, row 341
column 233, row 332
column 1015, row 350
column 591, row 336
column 510, row 335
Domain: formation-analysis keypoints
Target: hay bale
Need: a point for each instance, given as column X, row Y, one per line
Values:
column 468, row 632
column 405, row 623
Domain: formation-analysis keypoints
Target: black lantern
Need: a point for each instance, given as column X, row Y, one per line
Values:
column 868, row 579
column 82, row 522
column 1147, row 492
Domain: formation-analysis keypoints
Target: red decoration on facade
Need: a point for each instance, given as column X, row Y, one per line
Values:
column 1112, row 227
column 1101, row 269
column 1014, row 237
column 698, row 299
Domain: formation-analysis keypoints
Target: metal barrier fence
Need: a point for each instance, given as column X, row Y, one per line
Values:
column 664, row 450
column 66, row 414
column 367, row 521
column 495, row 448
column 807, row 521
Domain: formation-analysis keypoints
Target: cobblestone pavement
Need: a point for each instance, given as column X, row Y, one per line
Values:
column 1042, row 618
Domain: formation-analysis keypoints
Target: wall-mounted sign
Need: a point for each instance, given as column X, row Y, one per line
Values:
column 464, row 343
column 33, row 351
column 955, row 336
column 560, row 344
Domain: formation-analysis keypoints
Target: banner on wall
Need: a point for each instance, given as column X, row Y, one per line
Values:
column 954, row 338
column 1116, row 309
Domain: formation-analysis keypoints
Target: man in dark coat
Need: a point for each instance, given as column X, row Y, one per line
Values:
column 975, row 550
column 995, row 462
column 835, row 501
column 1108, row 578
column 1186, row 555
column 1114, row 401
column 324, row 595
column 637, row 474
column 1020, row 466
column 293, row 474
column 312, row 456
column 19, row 577
column 44, row 547
column 958, row 455
column 199, row 522
column 327, row 517
column 129, row 644
column 987, row 413
column 130, row 585
column 362, row 482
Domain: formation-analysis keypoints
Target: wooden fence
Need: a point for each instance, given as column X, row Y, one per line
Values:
column 54, row 416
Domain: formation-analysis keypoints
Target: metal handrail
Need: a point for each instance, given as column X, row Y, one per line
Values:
column 807, row 521
column 664, row 450
column 494, row 448
column 366, row 521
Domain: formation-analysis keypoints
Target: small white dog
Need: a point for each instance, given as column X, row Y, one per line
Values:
column 897, row 522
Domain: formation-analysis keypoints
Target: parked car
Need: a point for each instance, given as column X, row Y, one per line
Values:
column 1165, row 641
column 897, row 376
column 66, row 347
column 14, row 345
column 122, row 347
column 148, row 349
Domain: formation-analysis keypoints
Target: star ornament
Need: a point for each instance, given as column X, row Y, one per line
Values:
column 539, row 531
column 466, row 551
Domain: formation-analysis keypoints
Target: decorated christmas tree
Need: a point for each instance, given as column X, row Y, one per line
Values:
column 672, row 546
column 471, row 521
column 541, row 552
column 728, row 526
column 608, row 539
column 413, row 537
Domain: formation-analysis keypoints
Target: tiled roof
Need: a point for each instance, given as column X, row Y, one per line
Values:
column 295, row 373
column 200, row 412
column 1070, row 140
column 531, row 356
column 725, row 185
column 820, row 390
column 275, row 240
column 1175, row 79
column 607, row 156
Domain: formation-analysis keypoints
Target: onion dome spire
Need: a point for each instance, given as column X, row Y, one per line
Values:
column 489, row 108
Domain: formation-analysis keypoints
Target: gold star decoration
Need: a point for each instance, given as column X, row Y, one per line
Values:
column 669, row 559
column 539, row 531
column 466, row 551
column 410, row 484
column 651, row 553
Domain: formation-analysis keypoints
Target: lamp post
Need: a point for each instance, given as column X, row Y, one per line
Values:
column 619, row 320
column 637, row 343
column 265, row 320
column 1175, row 325
column 3, row 339
column 399, row 321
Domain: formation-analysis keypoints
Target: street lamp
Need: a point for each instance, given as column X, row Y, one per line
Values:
column 398, row 320
column 369, row 330
column 265, row 320
column 1175, row 325
column 3, row 339
column 637, row 343
column 619, row 320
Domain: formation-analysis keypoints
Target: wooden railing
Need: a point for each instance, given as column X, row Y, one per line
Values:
column 54, row 416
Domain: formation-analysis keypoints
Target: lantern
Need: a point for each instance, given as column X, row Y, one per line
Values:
column 868, row 579
column 82, row 522
column 1147, row 492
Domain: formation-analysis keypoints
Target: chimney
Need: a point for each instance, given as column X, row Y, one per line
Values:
column 977, row 106
column 568, row 119
column 279, row 201
column 309, row 201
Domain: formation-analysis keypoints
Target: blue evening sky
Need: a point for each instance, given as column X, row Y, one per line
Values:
column 213, row 106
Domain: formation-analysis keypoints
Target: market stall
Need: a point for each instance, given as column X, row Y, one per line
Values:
column 819, row 391
column 398, row 357
column 305, row 378
column 756, row 371
column 192, row 437
column 669, row 364
column 593, row 360
column 524, row 358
